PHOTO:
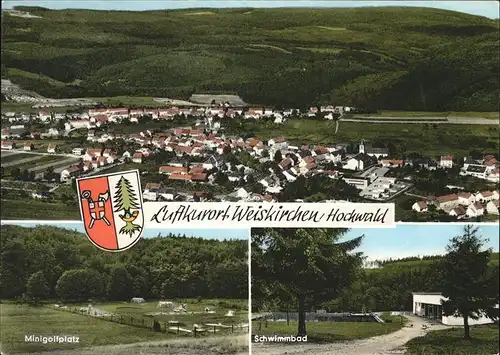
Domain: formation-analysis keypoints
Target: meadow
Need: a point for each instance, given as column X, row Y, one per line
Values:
column 426, row 139
column 18, row 320
column 330, row 331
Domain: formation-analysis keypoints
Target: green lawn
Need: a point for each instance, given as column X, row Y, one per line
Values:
column 37, row 210
column 329, row 331
column 449, row 342
column 19, row 320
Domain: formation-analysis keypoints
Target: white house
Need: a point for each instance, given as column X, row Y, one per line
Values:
column 77, row 151
column 69, row 173
column 492, row 207
column 420, row 206
column 465, row 198
column 242, row 193
column 447, row 202
column 429, row 305
column 359, row 162
column 486, row 196
column 51, row 148
column 475, row 210
column 446, row 162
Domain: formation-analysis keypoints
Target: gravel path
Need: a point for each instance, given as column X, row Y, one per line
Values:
column 227, row 345
column 389, row 344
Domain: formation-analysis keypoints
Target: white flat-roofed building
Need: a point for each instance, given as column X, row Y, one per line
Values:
column 428, row 305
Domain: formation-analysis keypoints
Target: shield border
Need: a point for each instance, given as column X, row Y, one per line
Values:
column 136, row 172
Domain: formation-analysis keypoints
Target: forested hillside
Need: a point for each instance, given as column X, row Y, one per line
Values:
column 390, row 286
column 74, row 270
column 384, row 58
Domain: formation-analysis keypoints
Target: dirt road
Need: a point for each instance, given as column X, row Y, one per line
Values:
column 230, row 345
column 389, row 344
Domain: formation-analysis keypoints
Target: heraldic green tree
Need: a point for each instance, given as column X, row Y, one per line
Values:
column 126, row 200
column 306, row 266
column 470, row 285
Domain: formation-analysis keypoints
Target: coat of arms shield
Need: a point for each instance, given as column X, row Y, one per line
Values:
column 112, row 210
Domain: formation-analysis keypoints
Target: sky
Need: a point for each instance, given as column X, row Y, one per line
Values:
column 415, row 239
column 482, row 8
column 219, row 234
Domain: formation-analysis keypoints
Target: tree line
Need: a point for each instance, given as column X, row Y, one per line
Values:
column 305, row 270
column 54, row 263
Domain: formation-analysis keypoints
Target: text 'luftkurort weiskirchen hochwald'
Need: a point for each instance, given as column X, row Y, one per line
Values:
column 186, row 213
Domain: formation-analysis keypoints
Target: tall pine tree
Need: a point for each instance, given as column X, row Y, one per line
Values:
column 469, row 283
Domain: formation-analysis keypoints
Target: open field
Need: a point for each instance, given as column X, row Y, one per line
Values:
column 18, row 320
column 414, row 114
column 37, row 210
column 450, row 342
column 12, row 157
column 329, row 331
column 425, row 139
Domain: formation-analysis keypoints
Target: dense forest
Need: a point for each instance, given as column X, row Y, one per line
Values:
column 382, row 58
column 63, row 264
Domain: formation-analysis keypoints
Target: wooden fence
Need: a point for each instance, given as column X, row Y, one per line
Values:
column 166, row 326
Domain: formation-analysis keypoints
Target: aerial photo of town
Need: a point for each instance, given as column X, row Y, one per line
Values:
column 262, row 105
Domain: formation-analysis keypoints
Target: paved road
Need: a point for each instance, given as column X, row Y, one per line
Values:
column 392, row 343
column 217, row 345
column 438, row 120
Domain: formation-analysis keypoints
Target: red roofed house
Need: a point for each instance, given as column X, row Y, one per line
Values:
column 465, row 198
column 8, row 145
column 70, row 172
column 447, row 201
column 460, row 212
column 177, row 176
column 420, row 206
column 199, row 177
column 137, row 158
column 485, row 196
column 392, row 163
column 90, row 154
column 168, row 170
column 28, row 146
column 51, row 148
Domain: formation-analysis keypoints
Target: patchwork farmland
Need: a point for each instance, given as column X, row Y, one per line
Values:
column 35, row 162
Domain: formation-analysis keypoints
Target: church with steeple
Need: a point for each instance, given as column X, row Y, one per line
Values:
column 372, row 152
